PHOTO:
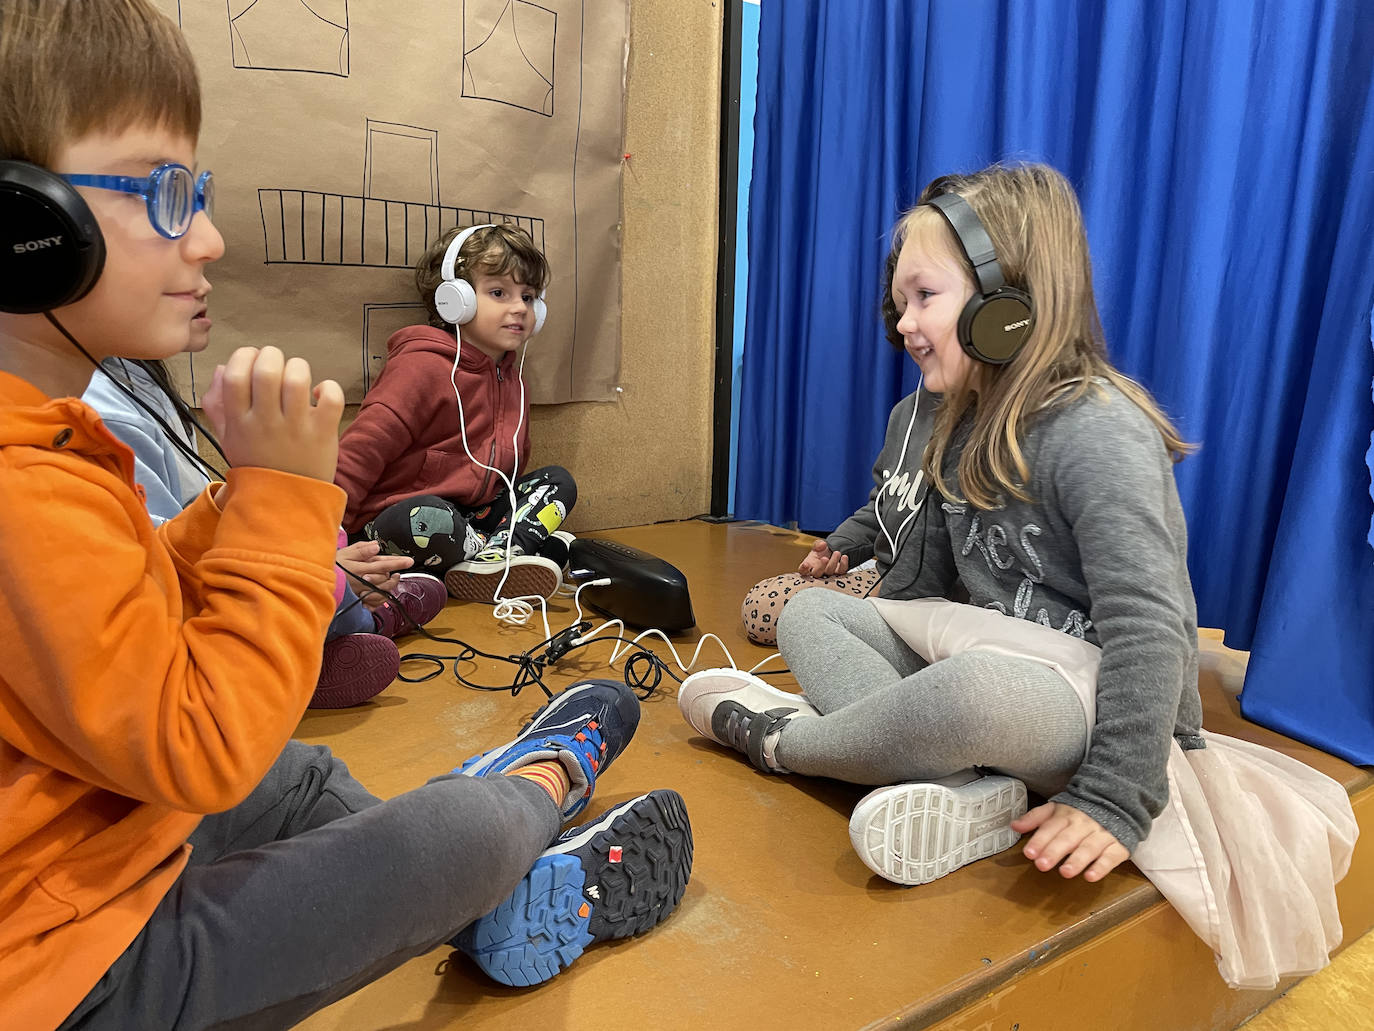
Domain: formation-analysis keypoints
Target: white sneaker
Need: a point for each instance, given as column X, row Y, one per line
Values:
column 915, row 833
column 478, row 578
column 740, row 710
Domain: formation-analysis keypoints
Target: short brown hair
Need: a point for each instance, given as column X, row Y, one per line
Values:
column 72, row 67
column 500, row 250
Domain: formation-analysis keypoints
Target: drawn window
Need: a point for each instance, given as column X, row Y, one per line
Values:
column 290, row 35
column 390, row 225
column 508, row 48
column 401, row 163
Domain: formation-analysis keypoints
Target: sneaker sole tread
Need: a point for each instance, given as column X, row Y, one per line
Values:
column 524, row 580
column 572, row 900
column 916, row 833
column 364, row 670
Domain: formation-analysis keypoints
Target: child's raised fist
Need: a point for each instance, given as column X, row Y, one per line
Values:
column 266, row 413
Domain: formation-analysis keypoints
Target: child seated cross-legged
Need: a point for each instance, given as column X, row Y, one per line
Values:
column 427, row 465
column 1073, row 671
column 375, row 601
column 857, row 557
column 169, row 857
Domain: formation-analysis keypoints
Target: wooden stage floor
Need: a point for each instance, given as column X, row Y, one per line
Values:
column 782, row 926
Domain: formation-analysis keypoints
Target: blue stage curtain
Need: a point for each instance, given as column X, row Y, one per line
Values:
column 1311, row 672
column 1220, row 152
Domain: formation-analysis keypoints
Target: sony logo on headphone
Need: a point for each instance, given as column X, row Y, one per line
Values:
column 38, row 245
column 1016, row 325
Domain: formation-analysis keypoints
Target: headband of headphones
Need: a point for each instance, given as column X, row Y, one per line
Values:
column 973, row 240
column 997, row 320
column 450, row 267
column 51, row 248
column 455, row 299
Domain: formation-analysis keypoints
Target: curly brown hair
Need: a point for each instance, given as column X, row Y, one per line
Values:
column 499, row 250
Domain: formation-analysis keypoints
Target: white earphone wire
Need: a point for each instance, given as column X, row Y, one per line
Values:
column 920, row 478
column 513, row 611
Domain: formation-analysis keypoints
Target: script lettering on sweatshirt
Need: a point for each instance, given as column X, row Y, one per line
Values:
column 991, row 540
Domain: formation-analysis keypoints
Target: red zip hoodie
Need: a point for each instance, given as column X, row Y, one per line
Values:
column 407, row 438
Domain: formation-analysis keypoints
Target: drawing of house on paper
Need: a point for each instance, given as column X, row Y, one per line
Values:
column 379, row 322
column 390, row 224
column 508, row 48
column 290, row 35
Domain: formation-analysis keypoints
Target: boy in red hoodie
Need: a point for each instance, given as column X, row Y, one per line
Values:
column 169, row 857
column 428, row 462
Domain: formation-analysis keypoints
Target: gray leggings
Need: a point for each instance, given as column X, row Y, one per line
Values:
column 888, row 716
column 311, row 888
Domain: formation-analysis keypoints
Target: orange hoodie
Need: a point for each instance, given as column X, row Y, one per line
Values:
column 138, row 689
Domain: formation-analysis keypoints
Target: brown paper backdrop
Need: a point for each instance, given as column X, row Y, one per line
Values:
column 647, row 456
column 346, row 134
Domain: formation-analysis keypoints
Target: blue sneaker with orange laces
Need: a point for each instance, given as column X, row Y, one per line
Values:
column 584, row 729
column 618, row 876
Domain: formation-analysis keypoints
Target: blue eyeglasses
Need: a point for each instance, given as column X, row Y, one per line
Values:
column 173, row 195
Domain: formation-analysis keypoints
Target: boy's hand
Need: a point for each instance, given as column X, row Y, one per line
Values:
column 1061, row 830
column 823, row 562
column 364, row 560
column 266, row 414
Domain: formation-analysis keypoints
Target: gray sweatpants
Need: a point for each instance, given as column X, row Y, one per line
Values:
column 888, row 716
column 311, row 888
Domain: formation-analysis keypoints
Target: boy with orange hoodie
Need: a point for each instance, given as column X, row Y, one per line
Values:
column 168, row 856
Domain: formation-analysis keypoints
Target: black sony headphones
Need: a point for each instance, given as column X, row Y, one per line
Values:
column 998, row 318
column 51, row 250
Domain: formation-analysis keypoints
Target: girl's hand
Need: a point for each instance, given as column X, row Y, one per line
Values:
column 823, row 562
column 1061, row 830
column 365, row 560
column 266, row 414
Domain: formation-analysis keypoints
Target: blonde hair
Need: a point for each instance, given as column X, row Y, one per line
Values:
column 500, row 250
column 72, row 67
column 1032, row 216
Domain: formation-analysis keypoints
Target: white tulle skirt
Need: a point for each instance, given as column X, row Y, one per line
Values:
column 1250, row 844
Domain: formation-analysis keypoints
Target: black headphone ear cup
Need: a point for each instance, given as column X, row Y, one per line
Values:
column 51, row 248
column 994, row 328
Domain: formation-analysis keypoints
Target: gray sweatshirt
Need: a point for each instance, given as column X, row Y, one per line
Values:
column 1100, row 553
column 895, row 492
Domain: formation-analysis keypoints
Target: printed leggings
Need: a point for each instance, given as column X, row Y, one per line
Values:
column 438, row 534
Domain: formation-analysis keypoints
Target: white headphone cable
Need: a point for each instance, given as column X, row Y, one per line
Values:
column 512, row 611
column 920, row 478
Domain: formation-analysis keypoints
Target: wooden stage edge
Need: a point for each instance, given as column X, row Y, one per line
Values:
column 782, row 926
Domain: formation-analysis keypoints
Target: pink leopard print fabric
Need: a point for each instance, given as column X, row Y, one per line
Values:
column 763, row 604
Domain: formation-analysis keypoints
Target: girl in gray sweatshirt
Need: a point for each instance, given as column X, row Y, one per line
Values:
column 1047, row 494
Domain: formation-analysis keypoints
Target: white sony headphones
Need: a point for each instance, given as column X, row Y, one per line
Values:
column 456, row 301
